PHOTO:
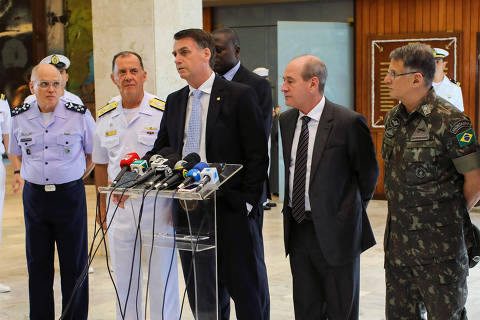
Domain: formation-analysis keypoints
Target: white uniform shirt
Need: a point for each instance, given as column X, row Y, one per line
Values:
column 67, row 96
column 5, row 119
column 115, row 136
column 314, row 115
column 450, row 92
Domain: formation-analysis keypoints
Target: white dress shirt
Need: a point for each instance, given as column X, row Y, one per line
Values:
column 206, row 88
column 314, row 116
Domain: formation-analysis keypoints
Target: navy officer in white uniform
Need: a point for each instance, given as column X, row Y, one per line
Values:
column 446, row 88
column 52, row 139
column 130, row 123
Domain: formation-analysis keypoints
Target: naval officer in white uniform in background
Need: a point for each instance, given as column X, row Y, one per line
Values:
column 446, row 88
column 130, row 123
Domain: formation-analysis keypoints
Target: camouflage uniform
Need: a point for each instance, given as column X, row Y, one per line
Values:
column 426, row 153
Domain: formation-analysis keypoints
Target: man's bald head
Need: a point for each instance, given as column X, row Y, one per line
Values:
column 313, row 67
column 43, row 68
column 46, row 85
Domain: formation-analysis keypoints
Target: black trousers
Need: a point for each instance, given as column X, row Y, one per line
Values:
column 241, row 268
column 57, row 217
column 321, row 291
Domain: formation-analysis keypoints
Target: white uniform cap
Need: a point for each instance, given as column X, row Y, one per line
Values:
column 262, row 72
column 439, row 53
column 58, row 60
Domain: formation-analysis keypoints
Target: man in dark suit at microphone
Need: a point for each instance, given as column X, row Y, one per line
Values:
column 221, row 121
column 330, row 175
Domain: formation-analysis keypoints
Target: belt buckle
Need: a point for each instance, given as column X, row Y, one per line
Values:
column 49, row 187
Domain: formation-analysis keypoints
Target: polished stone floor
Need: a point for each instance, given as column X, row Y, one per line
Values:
column 13, row 270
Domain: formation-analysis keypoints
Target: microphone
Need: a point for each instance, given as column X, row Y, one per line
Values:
column 159, row 166
column 139, row 166
column 125, row 165
column 208, row 176
column 193, row 175
column 180, row 171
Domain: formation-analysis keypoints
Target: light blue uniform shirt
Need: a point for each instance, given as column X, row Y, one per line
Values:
column 53, row 153
column 4, row 122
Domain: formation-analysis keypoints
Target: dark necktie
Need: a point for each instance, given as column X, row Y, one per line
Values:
column 299, row 178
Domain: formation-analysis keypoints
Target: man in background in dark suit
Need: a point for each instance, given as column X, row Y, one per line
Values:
column 330, row 175
column 227, row 64
column 231, row 130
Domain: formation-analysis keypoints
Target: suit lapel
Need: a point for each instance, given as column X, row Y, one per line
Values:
column 182, row 122
column 239, row 75
column 217, row 98
column 288, row 130
column 321, row 137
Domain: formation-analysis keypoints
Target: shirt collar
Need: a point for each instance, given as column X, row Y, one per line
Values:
column 425, row 107
column 59, row 110
column 231, row 73
column 316, row 112
column 143, row 107
column 206, row 87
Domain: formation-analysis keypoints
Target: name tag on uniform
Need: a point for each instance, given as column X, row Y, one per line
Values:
column 49, row 187
column 111, row 133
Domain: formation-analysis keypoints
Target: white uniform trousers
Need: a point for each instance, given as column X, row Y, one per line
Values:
column 121, row 236
column 2, row 193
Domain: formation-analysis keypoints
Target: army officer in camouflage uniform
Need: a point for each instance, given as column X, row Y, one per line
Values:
column 432, row 176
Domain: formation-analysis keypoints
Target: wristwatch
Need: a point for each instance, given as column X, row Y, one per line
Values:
column 16, row 171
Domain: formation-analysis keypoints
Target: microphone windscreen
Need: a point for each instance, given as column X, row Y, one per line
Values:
column 191, row 160
column 200, row 166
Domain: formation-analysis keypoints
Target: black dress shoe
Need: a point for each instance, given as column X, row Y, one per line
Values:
column 271, row 204
column 266, row 207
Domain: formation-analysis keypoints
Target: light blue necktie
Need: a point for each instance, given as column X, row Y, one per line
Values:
column 194, row 124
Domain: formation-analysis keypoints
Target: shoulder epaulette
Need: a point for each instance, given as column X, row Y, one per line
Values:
column 107, row 108
column 19, row 109
column 455, row 82
column 75, row 107
column 157, row 104
column 2, row 96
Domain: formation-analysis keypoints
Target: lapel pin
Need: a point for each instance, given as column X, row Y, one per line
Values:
column 218, row 98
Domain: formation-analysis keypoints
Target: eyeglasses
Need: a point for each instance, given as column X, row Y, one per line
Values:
column 394, row 75
column 47, row 84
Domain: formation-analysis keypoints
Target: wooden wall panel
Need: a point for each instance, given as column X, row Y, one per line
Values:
column 415, row 16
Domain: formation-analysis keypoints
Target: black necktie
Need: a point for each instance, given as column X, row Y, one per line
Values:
column 299, row 178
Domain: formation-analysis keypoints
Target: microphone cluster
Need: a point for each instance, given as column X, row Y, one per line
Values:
column 166, row 171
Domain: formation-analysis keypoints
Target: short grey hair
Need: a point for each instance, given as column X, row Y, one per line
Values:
column 34, row 75
column 314, row 67
column 417, row 57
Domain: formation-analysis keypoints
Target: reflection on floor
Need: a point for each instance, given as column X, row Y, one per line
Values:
column 13, row 270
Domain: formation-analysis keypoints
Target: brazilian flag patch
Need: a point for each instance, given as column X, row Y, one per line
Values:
column 466, row 138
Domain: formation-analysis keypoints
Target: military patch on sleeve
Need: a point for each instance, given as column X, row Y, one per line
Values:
column 460, row 125
column 2, row 96
column 107, row 108
column 21, row 108
column 157, row 104
column 75, row 107
column 466, row 138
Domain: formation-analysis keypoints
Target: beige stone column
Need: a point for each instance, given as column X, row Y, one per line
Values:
column 146, row 27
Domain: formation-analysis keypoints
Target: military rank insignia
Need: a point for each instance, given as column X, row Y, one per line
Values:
column 466, row 138
column 157, row 104
column 107, row 108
